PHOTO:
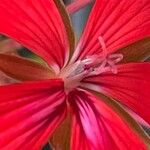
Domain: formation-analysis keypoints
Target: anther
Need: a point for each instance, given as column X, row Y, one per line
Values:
column 105, row 62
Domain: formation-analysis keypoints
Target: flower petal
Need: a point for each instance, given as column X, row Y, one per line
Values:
column 38, row 27
column 130, row 86
column 23, row 69
column 96, row 126
column 29, row 113
column 119, row 22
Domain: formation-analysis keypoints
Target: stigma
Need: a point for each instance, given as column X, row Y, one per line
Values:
column 92, row 65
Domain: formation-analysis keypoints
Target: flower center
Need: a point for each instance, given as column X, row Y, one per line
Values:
column 90, row 66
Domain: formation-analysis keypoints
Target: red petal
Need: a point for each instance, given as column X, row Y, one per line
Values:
column 130, row 86
column 97, row 127
column 29, row 113
column 119, row 22
column 38, row 27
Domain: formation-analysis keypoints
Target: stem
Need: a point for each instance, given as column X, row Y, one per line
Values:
column 77, row 4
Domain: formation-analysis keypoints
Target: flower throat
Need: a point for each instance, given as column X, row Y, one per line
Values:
column 90, row 66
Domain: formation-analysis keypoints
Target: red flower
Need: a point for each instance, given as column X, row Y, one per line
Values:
column 32, row 110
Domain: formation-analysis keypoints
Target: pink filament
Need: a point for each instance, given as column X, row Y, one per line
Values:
column 110, row 60
column 77, row 4
column 91, row 66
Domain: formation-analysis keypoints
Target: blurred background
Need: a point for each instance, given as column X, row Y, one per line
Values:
column 9, row 46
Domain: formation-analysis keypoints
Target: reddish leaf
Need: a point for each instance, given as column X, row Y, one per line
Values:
column 23, row 69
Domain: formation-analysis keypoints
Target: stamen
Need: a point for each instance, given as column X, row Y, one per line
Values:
column 103, row 45
column 91, row 66
column 72, row 69
column 106, row 62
